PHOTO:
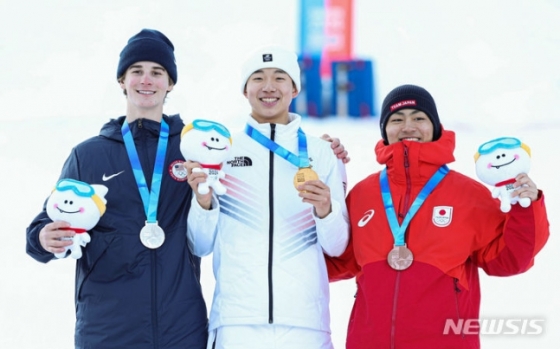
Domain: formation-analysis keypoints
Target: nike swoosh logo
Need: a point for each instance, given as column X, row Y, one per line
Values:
column 365, row 219
column 106, row 178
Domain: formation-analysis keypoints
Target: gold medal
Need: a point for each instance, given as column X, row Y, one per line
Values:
column 152, row 236
column 303, row 175
column 400, row 258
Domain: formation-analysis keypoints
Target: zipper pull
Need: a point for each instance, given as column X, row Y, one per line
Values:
column 406, row 163
column 456, row 284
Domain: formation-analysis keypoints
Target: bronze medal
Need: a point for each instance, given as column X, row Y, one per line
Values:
column 303, row 175
column 152, row 236
column 400, row 258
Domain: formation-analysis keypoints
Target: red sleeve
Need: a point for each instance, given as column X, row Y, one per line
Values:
column 344, row 266
column 524, row 233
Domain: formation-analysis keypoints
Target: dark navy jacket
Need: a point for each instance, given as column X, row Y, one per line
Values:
column 129, row 296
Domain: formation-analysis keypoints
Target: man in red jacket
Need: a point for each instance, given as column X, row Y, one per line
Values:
column 419, row 233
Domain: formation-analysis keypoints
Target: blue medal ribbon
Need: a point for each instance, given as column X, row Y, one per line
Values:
column 301, row 160
column 150, row 199
column 399, row 230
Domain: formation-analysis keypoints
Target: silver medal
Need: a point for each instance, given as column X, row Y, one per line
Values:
column 152, row 236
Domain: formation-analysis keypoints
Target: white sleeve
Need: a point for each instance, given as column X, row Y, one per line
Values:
column 201, row 227
column 333, row 230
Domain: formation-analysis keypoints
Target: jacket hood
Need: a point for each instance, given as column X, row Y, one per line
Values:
column 112, row 129
column 421, row 160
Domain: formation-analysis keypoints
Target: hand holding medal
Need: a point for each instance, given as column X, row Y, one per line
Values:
column 313, row 191
column 303, row 175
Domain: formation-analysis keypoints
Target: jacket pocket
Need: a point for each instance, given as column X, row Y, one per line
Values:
column 456, row 292
column 99, row 244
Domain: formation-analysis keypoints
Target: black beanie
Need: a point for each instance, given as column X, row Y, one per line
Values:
column 409, row 97
column 148, row 45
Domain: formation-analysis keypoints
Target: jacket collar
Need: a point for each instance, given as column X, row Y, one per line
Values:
column 282, row 132
column 423, row 158
column 112, row 129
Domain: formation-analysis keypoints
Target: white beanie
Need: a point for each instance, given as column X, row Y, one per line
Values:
column 271, row 57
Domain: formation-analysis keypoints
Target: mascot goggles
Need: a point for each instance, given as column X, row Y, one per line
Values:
column 206, row 125
column 499, row 143
column 79, row 188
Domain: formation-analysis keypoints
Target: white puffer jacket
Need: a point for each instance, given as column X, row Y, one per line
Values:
column 267, row 244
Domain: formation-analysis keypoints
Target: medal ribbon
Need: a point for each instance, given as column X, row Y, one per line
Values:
column 300, row 161
column 399, row 230
column 150, row 199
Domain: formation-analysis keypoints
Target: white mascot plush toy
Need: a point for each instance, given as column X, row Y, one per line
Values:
column 498, row 162
column 79, row 204
column 208, row 143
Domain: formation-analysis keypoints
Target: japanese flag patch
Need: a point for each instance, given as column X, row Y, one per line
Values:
column 442, row 216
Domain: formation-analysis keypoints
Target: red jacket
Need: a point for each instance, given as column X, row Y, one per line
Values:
column 458, row 229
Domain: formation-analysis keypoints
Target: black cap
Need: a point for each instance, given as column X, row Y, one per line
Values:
column 149, row 45
column 409, row 97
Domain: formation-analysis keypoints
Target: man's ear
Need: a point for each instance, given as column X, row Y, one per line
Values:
column 295, row 92
column 121, row 84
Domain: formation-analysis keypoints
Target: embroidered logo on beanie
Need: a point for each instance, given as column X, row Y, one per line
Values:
column 399, row 105
column 267, row 57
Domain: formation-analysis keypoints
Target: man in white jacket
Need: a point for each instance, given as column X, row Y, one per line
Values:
column 283, row 209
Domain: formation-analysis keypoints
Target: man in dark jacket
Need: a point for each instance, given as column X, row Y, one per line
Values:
column 137, row 284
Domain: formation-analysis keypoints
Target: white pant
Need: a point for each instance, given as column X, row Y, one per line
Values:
column 268, row 337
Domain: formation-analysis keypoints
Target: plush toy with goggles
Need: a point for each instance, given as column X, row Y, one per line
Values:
column 208, row 143
column 81, row 205
column 498, row 162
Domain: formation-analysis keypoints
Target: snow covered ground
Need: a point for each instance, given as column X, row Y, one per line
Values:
column 491, row 66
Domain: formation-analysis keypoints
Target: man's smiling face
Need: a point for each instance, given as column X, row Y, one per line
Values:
column 409, row 124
